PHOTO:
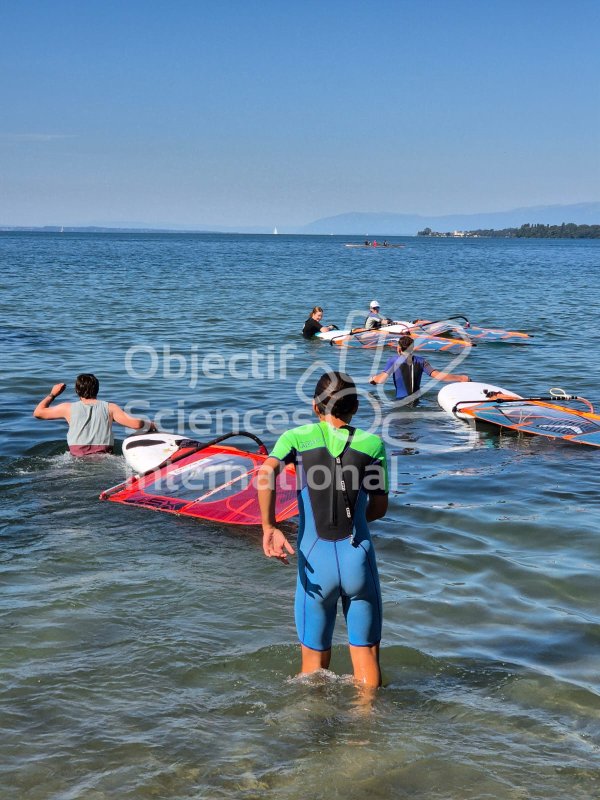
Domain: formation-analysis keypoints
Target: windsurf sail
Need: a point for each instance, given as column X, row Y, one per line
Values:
column 537, row 416
column 209, row 481
column 453, row 327
column 382, row 338
column 496, row 335
column 439, row 344
column 364, row 338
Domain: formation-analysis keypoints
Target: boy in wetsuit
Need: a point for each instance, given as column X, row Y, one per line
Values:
column 342, row 485
column 407, row 371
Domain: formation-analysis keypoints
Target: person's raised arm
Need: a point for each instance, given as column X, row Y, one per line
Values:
column 275, row 544
column 61, row 411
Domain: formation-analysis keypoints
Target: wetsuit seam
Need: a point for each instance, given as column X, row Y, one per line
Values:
column 337, row 563
column 379, row 600
column 304, row 599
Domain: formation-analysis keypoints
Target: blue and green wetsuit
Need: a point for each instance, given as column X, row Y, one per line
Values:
column 407, row 373
column 335, row 553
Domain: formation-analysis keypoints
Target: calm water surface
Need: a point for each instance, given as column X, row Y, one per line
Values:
column 146, row 656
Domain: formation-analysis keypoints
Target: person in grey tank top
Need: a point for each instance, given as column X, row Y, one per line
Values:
column 90, row 420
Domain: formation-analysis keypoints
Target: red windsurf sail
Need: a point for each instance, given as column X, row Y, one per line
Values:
column 216, row 483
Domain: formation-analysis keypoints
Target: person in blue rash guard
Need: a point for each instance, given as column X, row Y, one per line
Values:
column 342, row 485
column 407, row 371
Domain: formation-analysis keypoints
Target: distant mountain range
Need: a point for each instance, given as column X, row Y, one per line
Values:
column 371, row 224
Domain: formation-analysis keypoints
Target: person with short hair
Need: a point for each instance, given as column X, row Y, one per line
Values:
column 342, row 485
column 375, row 319
column 313, row 324
column 407, row 371
column 90, row 420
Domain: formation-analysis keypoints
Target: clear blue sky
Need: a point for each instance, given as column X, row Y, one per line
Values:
column 244, row 112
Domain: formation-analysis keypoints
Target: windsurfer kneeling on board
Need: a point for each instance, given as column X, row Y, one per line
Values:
column 375, row 319
column 407, row 371
column 90, row 420
column 342, row 485
column 313, row 324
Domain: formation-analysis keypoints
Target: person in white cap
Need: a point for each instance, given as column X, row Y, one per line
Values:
column 375, row 319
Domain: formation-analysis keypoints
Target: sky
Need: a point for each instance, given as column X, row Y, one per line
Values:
column 249, row 113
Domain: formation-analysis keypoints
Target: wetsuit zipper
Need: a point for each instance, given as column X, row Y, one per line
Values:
column 337, row 464
column 334, row 493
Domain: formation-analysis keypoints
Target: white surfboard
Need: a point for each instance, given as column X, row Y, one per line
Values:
column 327, row 336
column 145, row 451
column 399, row 327
column 454, row 393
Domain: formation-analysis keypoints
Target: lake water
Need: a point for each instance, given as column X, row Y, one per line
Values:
column 148, row 656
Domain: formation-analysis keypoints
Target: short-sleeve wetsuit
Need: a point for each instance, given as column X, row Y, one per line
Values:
column 311, row 326
column 407, row 373
column 335, row 553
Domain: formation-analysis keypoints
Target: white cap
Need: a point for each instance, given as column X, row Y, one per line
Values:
column 374, row 304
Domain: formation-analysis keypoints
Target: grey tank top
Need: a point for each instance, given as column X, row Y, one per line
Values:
column 90, row 424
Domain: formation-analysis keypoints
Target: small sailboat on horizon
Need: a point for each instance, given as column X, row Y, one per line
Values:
column 274, row 231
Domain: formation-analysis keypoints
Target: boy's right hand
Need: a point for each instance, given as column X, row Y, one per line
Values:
column 275, row 544
column 58, row 388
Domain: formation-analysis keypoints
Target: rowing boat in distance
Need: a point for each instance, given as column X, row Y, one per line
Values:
column 375, row 246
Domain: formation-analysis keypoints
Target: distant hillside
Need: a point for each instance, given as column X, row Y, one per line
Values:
column 364, row 223
column 373, row 224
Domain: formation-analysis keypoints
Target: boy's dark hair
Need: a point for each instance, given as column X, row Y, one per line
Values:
column 87, row 386
column 405, row 343
column 335, row 394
